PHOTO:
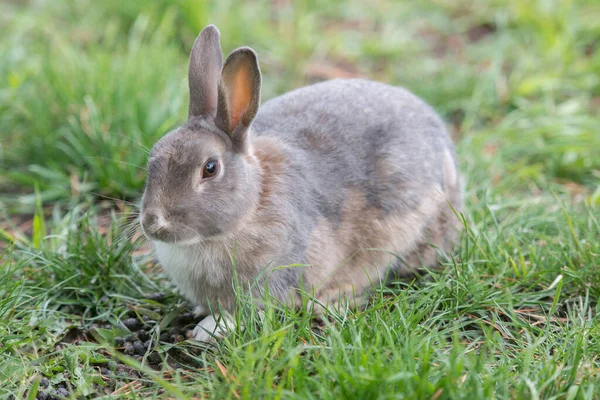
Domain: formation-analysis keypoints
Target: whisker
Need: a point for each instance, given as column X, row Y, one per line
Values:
column 129, row 251
column 146, row 149
column 128, row 232
column 117, row 161
column 124, row 219
column 115, row 199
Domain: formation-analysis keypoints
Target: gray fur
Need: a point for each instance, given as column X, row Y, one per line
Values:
column 326, row 173
column 206, row 61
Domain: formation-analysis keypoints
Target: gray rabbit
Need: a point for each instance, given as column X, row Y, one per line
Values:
column 350, row 179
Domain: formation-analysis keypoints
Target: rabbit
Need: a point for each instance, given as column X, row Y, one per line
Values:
column 346, row 181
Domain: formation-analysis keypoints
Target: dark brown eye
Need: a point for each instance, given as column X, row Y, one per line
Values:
column 210, row 169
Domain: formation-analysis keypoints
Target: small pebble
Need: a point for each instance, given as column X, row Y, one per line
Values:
column 112, row 365
column 61, row 391
column 156, row 296
column 154, row 358
column 129, row 349
column 145, row 318
column 165, row 337
column 182, row 330
column 44, row 383
column 119, row 341
column 147, row 344
column 104, row 371
column 143, row 335
column 42, row 396
column 131, row 338
column 131, row 323
column 139, row 348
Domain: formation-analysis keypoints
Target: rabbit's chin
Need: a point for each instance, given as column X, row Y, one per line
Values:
column 191, row 241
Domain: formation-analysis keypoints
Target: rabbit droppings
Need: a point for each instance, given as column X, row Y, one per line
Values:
column 352, row 179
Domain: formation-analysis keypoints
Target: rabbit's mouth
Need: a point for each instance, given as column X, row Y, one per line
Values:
column 165, row 236
column 157, row 228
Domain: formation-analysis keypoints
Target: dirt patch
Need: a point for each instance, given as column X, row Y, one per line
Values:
column 143, row 340
column 479, row 32
column 443, row 44
column 592, row 47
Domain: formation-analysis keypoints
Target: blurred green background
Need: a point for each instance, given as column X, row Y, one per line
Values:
column 87, row 86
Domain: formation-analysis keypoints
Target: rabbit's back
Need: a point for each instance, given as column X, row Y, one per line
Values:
column 357, row 133
column 368, row 179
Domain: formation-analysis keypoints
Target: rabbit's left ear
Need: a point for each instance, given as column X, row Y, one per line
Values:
column 239, row 94
column 206, row 61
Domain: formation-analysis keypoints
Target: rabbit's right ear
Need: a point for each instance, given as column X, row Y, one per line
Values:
column 206, row 62
column 239, row 95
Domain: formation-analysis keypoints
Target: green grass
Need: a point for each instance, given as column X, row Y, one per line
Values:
column 86, row 87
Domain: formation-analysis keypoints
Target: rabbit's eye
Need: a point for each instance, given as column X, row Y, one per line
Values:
column 210, row 169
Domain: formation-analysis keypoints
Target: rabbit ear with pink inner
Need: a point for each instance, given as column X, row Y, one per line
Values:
column 239, row 95
column 206, row 62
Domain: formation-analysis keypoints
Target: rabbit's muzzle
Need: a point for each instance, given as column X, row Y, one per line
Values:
column 155, row 225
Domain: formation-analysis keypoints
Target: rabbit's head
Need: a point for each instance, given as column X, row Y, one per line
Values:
column 202, row 178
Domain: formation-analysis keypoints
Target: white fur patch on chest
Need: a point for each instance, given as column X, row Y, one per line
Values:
column 191, row 267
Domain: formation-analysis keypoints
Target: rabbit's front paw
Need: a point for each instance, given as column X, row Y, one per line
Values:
column 201, row 311
column 212, row 328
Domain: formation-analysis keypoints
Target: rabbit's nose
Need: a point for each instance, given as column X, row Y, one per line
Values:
column 153, row 221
